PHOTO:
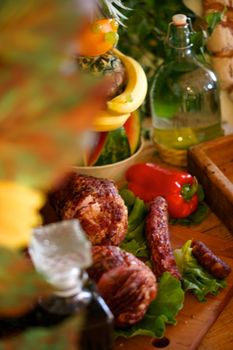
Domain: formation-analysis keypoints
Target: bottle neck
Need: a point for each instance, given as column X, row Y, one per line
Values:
column 69, row 285
column 69, row 297
column 179, row 40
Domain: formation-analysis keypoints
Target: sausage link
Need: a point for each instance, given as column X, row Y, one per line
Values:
column 213, row 264
column 158, row 240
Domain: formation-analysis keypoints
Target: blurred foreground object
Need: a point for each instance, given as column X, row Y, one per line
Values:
column 61, row 252
column 45, row 102
column 45, row 106
column 19, row 206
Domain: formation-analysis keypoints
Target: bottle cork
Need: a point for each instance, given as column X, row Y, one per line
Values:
column 179, row 20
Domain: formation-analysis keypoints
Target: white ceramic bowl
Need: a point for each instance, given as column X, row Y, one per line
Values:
column 114, row 171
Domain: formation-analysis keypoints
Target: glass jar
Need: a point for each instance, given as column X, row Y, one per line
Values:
column 184, row 98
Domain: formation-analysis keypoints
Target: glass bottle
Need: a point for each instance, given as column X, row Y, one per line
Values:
column 184, row 98
column 61, row 252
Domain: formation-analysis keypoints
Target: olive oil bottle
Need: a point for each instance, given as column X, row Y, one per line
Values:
column 184, row 98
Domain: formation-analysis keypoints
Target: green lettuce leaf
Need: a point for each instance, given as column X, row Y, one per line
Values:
column 136, row 248
column 162, row 311
column 213, row 19
column 195, row 278
column 135, row 241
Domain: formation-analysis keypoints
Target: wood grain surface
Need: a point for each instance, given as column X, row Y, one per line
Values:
column 212, row 164
column 195, row 319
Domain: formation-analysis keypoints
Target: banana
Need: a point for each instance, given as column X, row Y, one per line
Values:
column 108, row 121
column 119, row 108
column 135, row 92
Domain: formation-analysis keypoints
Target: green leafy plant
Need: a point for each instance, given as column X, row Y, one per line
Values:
column 146, row 30
column 147, row 26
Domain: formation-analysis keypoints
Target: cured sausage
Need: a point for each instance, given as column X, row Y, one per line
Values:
column 213, row 264
column 157, row 234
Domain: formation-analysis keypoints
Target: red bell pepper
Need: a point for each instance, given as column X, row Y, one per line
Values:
column 179, row 188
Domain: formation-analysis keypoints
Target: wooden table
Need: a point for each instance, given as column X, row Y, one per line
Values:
column 220, row 335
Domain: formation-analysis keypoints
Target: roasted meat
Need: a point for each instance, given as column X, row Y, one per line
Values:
column 126, row 283
column 105, row 258
column 157, row 234
column 98, row 206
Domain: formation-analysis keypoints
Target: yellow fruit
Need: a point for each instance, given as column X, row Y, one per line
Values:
column 120, row 107
column 19, row 212
column 135, row 92
column 107, row 121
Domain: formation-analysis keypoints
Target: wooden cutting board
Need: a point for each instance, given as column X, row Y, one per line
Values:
column 196, row 318
column 212, row 163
